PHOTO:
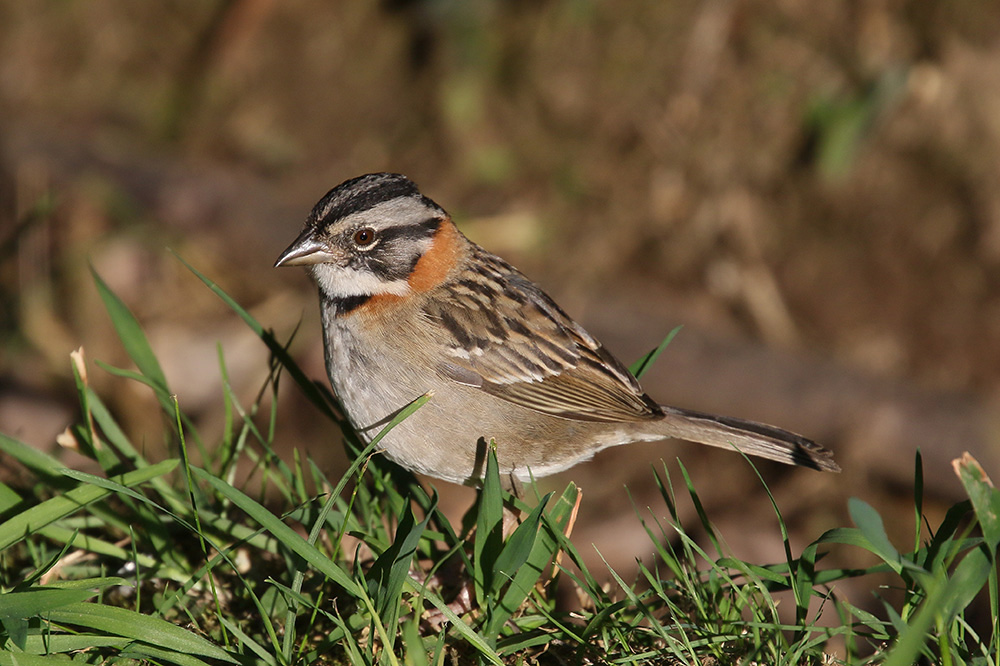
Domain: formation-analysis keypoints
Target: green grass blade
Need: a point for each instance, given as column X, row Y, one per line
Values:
column 700, row 509
column 283, row 533
column 918, row 498
column 967, row 581
column 130, row 624
column 489, row 529
column 31, row 520
column 88, row 583
column 639, row 368
column 101, row 482
column 8, row 498
column 133, row 338
column 801, row 570
column 518, row 547
column 416, row 654
column 942, row 541
column 402, row 415
column 150, row 653
column 56, row 643
column 546, row 544
column 24, row 659
column 984, row 497
column 39, row 600
column 508, row 564
column 850, row 536
column 392, row 567
column 913, row 634
column 310, row 390
column 112, row 431
column 870, row 524
column 465, row 631
column 248, row 643
column 38, row 462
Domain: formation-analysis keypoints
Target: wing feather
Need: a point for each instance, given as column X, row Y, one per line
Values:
column 505, row 336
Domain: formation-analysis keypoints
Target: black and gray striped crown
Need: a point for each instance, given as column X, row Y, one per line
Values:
column 365, row 192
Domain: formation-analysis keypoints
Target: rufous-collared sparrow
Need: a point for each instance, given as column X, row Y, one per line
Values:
column 409, row 306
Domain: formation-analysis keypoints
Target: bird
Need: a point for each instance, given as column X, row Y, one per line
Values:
column 410, row 306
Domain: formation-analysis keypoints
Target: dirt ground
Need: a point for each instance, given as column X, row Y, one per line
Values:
column 811, row 189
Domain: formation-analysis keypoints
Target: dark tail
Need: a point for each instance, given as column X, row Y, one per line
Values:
column 754, row 439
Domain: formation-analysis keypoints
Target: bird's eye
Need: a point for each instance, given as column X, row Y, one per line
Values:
column 364, row 236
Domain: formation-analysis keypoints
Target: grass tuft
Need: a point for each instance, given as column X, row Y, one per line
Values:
column 180, row 563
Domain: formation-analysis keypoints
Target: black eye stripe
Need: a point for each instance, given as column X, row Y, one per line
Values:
column 411, row 231
column 386, row 236
column 392, row 255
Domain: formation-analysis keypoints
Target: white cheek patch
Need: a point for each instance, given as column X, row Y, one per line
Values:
column 340, row 282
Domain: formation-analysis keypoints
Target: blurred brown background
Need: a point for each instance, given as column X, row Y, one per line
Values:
column 811, row 188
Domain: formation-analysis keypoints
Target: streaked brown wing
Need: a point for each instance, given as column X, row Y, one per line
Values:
column 507, row 337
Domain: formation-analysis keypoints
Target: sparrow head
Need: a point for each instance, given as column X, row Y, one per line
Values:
column 375, row 235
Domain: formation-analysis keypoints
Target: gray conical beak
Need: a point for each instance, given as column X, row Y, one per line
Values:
column 305, row 251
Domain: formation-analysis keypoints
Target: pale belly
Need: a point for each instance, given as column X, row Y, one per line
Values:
column 446, row 438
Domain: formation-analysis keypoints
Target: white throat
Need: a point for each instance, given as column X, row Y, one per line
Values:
column 340, row 282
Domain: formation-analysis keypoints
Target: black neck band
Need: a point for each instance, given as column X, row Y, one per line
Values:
column 347, row 304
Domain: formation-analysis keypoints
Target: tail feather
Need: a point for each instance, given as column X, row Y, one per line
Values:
column 755, row 439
